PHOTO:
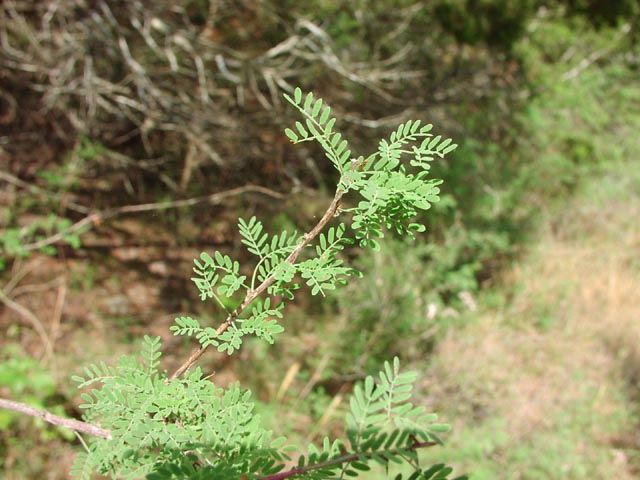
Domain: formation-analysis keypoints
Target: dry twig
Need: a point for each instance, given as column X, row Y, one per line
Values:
column 70, row 423
column 98, row 217
column 31, row 319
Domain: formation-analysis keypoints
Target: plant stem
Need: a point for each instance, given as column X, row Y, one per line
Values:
column 70, row 423
column 32, row 319
column 252, row 294
column 344, row 459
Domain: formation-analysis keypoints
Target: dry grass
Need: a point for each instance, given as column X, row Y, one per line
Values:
column 560, row 365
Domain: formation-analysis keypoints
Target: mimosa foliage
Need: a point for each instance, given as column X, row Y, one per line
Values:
column 183, row 426
column 190, row 429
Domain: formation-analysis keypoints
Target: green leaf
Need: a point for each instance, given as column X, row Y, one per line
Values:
column 316, row 108
column 307, row 101
column 434, row 142
column 301, row 130
column 439, row 427
column 449, row 149
column 291, row 134
column 325, row 116
column 443, row 145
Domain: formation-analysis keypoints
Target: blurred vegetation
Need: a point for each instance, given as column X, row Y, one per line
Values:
column 113, row 103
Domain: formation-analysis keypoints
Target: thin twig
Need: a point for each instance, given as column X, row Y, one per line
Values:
column 315, row 377
column 57, row 312
column 18, row 273
column 98, row 217
column 251, row 295
column 7, row 177
column 32, row 287
column 70, row 423
column 597, row 55
column 32, row 319
column 350, row 458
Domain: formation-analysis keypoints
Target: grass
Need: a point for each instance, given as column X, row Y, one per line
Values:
column 547, row 387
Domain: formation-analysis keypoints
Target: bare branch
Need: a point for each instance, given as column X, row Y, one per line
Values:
column 32, row 319
column 7, row 177
column 98, row 217
column 597, row 55
column 348, row 458
column 70, row 423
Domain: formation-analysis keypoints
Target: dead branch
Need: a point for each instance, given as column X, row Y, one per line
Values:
column 31, row 319
column 97, row 217
column 69, row 423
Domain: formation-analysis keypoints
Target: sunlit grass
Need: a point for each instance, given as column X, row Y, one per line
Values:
column 543, row 389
